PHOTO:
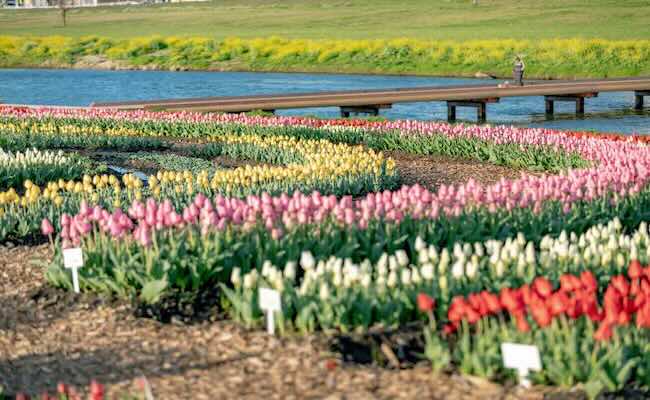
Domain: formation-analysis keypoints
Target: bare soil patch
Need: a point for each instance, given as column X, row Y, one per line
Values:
column 433, row 170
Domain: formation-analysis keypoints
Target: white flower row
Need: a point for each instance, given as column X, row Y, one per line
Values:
column 31, row 157
column 602, row 246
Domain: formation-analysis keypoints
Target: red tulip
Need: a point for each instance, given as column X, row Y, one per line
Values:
column 96, row 390
column 624, row 318
column 635, row 270
column 450, row 328
column 522, row 324
column 588, row 281
column 457, row 308
column 62, row 388
column 621, row 284
column 566, row 283
column 604, row 332
column 558, row 303
column 541, row 314
column 425, row 303
column 525, row 293
column 478, row 303
column 510, row 300
column 542, row 287
column 472, row 316
column 492, row 301
column 331, row 364
column 574, row 308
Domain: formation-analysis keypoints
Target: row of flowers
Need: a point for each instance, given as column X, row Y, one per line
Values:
column 36, row 166
column 418, row 139
column 336, row 293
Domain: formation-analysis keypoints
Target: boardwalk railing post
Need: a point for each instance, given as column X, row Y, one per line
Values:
column 579, row 99
column 580, row 105
column 451, row 112
column 638, row 98
column 481, row 112
column 372, row 109
column 549, row 106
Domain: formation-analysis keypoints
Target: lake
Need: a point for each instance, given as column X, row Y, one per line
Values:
column 610, row 112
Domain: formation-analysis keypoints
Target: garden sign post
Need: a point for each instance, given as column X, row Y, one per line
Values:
column 74, row 259
column 523, row 358
column 270, row 302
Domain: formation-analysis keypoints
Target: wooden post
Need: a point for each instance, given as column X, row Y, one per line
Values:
column 451, row 112
column 638, row 102
column 549, row 106
column 580, row 105
column 638, row 98
column 481, row 111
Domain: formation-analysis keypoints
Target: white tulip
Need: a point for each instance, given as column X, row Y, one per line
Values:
column 402, row 258
column 406, row 277
column 444, row 261
column 423, row 256
column 442, row 283
column 500, row 268
column 415, row 277
column 307, row 261
column 392, row 263
column 392, row 279
column 383, row 261
column 235, row 276
column 290, row 270
column 250, row 279
column 324, row 291
column 266, row 266
column 419, row 244
column 427, row 271
column 366, row 279
column 458, row 270
column 433, row 253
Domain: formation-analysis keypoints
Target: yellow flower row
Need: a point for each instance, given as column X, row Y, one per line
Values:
column 321, row 161
column 48, row 128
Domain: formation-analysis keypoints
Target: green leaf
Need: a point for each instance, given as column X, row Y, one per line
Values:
column 153, row 290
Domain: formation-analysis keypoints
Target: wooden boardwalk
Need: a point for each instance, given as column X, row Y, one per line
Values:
column 371, row 101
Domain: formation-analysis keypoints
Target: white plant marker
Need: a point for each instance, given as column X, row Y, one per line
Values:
column 270, row 302
column 523, row 358
column 74, row 259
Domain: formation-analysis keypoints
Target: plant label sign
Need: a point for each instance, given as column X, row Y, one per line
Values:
column 523, row 358
column 74, row 259
column 270, row 302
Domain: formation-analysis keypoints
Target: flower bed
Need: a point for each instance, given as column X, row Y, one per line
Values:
column 345, row 263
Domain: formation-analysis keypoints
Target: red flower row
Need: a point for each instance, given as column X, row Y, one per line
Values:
column 577, row 296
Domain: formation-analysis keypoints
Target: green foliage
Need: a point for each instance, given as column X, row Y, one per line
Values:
column 548, row 58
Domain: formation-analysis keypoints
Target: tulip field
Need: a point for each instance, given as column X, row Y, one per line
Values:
column 558, row 258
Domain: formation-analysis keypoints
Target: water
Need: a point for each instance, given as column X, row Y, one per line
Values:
column 609, row 112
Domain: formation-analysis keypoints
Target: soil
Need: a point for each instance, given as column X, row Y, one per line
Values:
column 433, row 171
column 47, row 336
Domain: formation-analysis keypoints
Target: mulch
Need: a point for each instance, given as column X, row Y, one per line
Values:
column 432, row 171
column 47, row 336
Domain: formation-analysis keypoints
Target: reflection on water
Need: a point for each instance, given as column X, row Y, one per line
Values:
column 608, row 112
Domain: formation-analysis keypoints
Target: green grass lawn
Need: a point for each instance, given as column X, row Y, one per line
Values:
column 348, row 19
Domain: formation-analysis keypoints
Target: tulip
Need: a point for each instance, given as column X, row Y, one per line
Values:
column 425, row 303
column 46, row 227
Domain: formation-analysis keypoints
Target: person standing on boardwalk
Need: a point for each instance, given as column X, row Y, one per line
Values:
column 518, row 71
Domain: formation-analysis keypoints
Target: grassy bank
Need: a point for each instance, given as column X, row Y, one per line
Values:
column 348, row 19
column 558, row 58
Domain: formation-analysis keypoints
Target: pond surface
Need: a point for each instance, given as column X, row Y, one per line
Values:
column 611, row 112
